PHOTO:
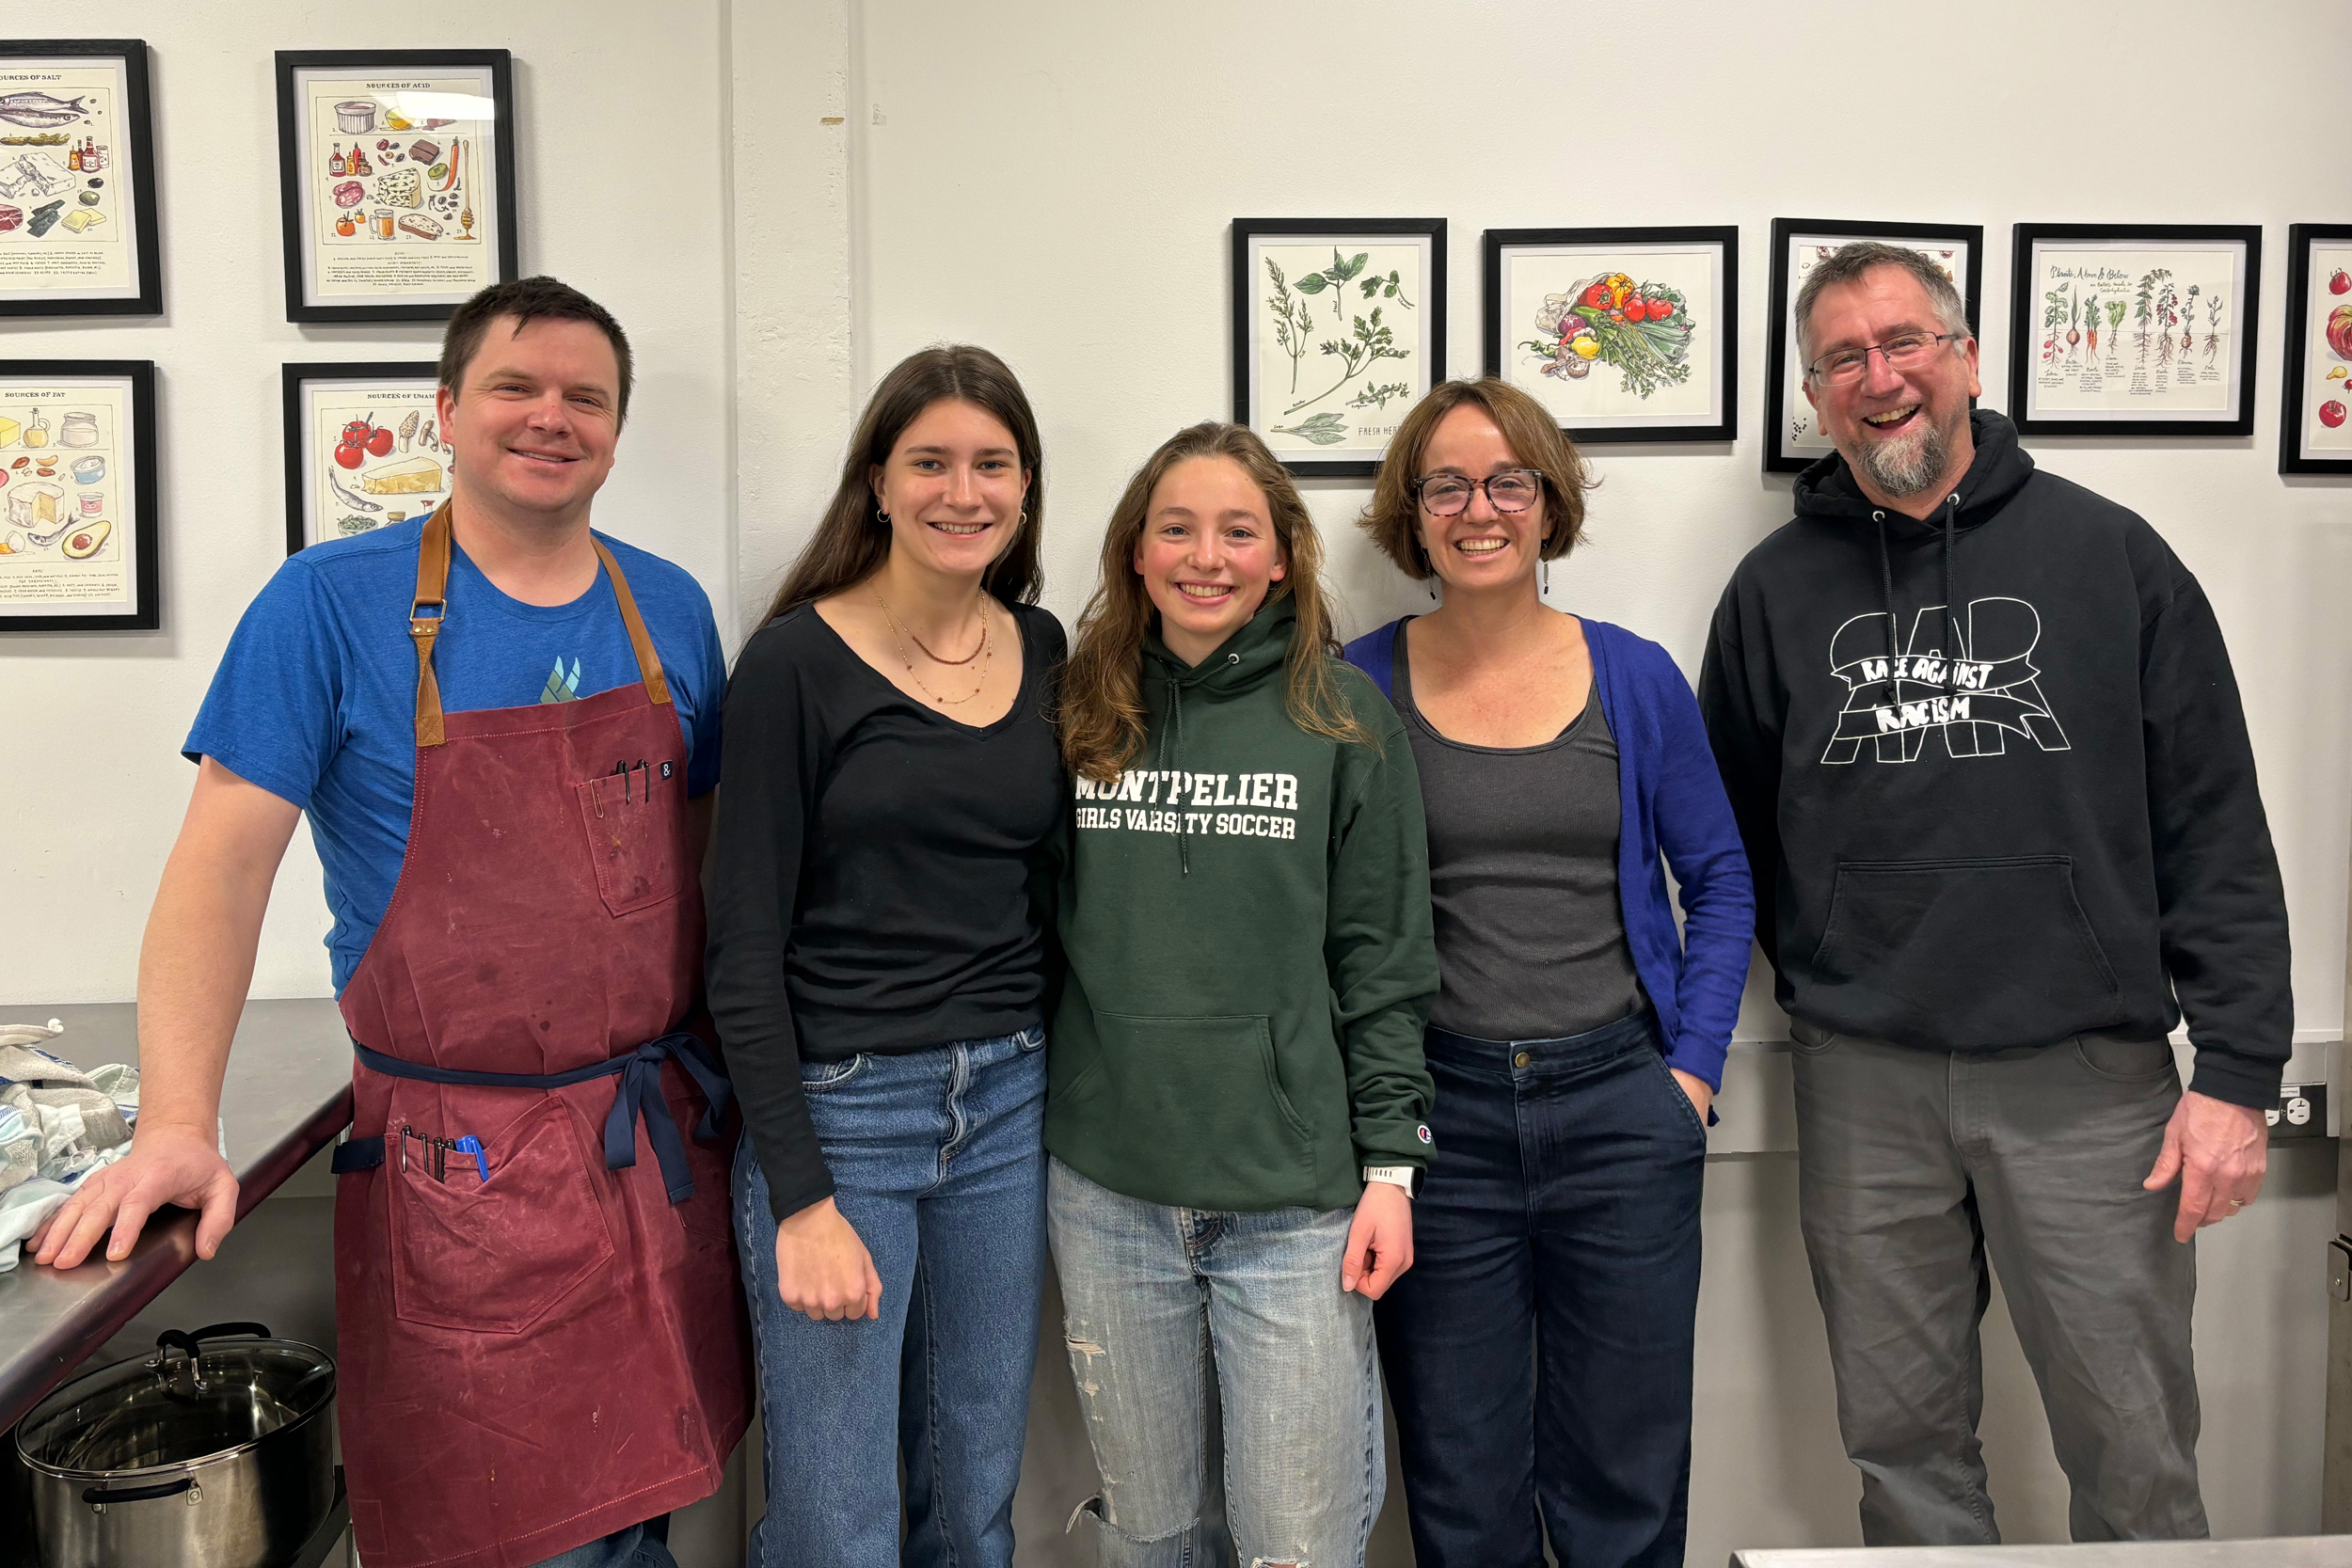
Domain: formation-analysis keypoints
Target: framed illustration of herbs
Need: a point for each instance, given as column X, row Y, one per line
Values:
column 2314, row 432
column 1338, row 329
column 2133, row 330
column 1793, row 439
column 1624, row 334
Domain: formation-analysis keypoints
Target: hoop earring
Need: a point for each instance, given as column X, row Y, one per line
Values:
column 883, row 515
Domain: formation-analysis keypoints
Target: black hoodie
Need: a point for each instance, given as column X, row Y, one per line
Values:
column 2003, row 827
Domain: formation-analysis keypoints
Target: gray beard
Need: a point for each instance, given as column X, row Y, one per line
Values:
column 1903, row 469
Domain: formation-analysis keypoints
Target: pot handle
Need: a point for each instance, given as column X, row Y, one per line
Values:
column 98, row 1497
column 187, row 1341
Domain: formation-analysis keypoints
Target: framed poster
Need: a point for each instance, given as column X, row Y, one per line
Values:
column 2314, row 434
column 77, row 494
column 361, row 448
column 1624, row 334
column 77, row 179
column 2134, row 331
column 1793, row 440
column 396, row 170
column 1338, row 329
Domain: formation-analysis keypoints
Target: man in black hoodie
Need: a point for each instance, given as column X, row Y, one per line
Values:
column 1981, row 735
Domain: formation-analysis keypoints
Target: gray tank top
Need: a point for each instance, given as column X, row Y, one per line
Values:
column 1523, row 878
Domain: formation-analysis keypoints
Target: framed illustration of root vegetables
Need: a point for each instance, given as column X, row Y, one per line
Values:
column 396, row 175
column 2315, row 413
column 77, row 496
column 2146, row 330
column 77, row 179
column 1338, row 329
column 1793, row 439
column 363, row 449
column 1624, row 334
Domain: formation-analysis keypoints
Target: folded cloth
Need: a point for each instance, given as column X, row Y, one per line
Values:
column 56, row 1119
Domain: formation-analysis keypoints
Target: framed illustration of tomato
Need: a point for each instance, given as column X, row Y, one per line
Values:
column 2316, row 412
column 1623, row 334
column 363, row 449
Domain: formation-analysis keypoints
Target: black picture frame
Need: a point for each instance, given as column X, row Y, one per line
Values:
column 1724, row 238
column 2302, row 379
column 145, row 576
column 1354, row 459
column 146, row 296
column 368, row 375
column 1781, row 453
column 295, row 154
column 2025, row 290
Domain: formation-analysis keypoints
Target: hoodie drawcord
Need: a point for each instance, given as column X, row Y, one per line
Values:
column 1887, row 586
column 1175, row 759
column 1951, row 604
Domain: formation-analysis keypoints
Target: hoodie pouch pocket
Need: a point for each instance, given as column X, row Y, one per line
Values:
column 1978, row 953
column 1201, row 1112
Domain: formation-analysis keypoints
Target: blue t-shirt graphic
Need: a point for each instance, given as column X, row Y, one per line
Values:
column 315, row 700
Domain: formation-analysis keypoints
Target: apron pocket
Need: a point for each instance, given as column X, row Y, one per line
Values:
column 492, row 1257
column 636, row 843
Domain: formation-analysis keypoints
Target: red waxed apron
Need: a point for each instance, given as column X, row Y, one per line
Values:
column 555, row 1350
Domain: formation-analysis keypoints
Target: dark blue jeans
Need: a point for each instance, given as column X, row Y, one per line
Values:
column 1558, row 1235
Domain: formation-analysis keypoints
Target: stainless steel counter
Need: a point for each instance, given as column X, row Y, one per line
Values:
column 287, row 1095
column 2303, row 1551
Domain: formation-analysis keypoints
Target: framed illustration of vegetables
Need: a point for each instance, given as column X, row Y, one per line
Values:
column 2314, row 433
column 1624, row 334
column 2178, row 305
column 363, row 451
column 1338, row 329
column 1792, row 439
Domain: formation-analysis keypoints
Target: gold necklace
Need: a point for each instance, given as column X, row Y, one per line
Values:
column 900, row 634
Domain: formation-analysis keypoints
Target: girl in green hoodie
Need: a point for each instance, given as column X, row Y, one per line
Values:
column 1237, row 1101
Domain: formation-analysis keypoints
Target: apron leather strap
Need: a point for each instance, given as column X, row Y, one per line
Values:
column 433, row 592
column 649, row 662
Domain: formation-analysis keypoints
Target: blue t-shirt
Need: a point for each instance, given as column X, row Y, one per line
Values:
column 315, row 700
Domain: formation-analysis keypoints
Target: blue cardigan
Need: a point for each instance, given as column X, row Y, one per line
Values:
column 1673, row 800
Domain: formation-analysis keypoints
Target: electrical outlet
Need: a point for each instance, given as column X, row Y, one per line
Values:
column 2301, row 1112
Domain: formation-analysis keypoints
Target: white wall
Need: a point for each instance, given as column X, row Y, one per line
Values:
column 628, row 203
column 1053, row 180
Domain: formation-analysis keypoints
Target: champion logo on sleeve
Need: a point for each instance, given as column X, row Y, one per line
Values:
column 1421, row 1132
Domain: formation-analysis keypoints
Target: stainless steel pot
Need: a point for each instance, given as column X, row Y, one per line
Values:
column 199, row 1456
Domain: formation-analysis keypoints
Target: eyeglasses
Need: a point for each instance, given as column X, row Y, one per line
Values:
column 1448, row 495
column 1907, row 352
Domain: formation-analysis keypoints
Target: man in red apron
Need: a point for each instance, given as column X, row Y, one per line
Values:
column 542, row 1342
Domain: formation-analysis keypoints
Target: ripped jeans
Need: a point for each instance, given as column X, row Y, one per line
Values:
column 1156, row 1302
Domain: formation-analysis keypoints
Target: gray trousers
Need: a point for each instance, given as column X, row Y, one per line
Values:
column 1914, row 1167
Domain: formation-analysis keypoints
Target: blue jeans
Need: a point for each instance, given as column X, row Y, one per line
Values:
column 644, row 1545
column 1159, row 1300
column 937, row 1163
column 1559, row 1222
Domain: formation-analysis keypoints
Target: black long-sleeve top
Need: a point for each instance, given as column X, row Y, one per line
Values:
column 870, row 889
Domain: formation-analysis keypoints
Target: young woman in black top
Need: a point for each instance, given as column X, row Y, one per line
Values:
column 876, row 973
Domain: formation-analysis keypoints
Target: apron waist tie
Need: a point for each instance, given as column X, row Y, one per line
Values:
column 639, row 1097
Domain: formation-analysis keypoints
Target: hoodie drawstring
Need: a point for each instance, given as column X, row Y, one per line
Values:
column 1175, row 755
column 1951, row 604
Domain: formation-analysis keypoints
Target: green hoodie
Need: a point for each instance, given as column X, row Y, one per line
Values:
column 1246, row 918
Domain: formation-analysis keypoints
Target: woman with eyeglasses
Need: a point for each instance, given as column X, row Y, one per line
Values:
column 1578, row 1035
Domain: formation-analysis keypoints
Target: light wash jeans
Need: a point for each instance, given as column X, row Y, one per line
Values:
column 1156, row 1302
column 937, row 1163
column 644, row 1545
